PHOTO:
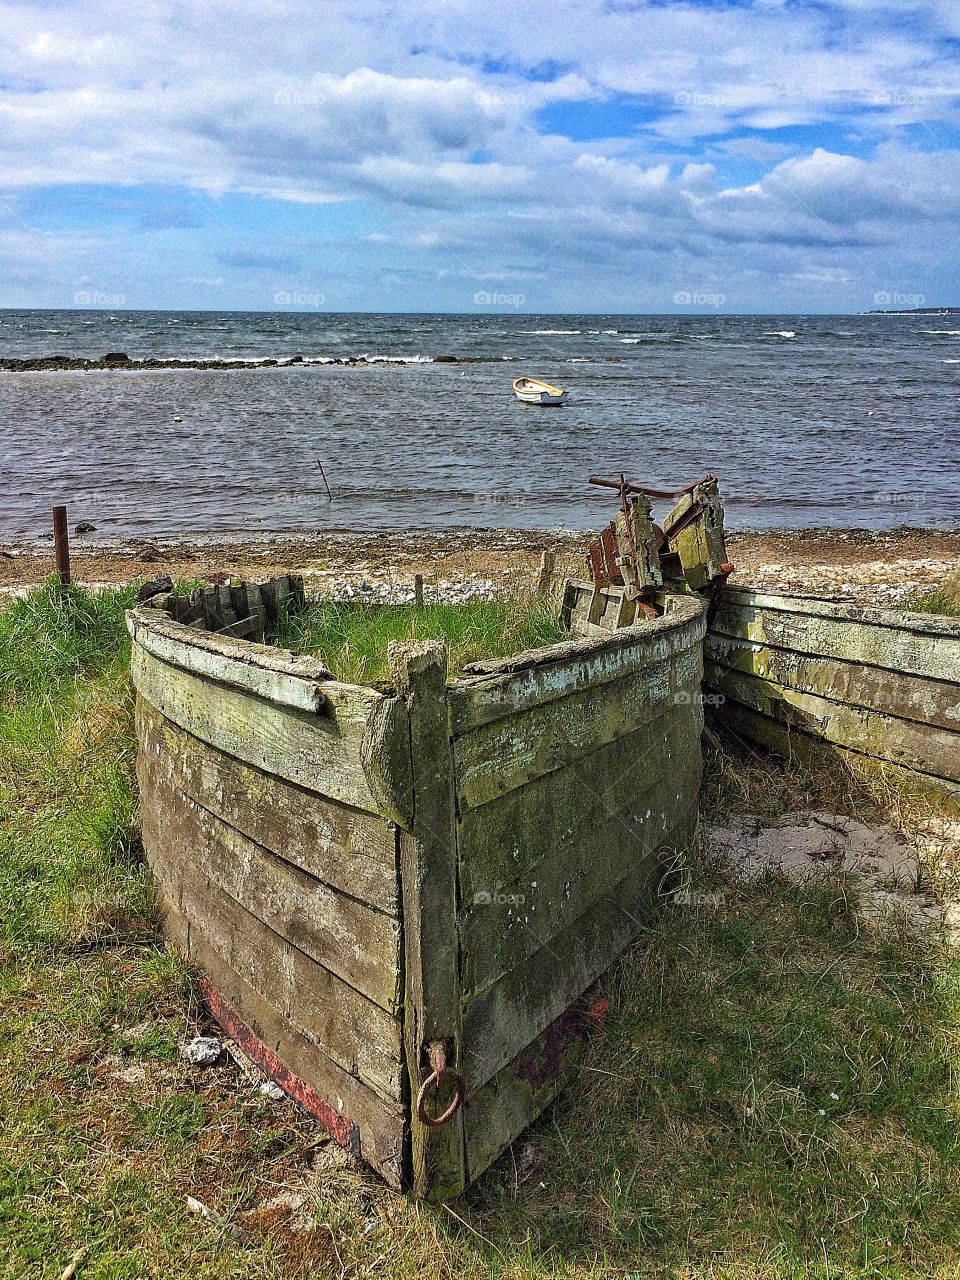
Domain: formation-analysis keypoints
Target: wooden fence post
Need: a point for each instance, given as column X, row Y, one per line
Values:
column 428, row 876
column 548, row 562
column 61, row 544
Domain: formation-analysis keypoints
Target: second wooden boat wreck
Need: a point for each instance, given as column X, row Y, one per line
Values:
column 878, row 685
column 795, row 674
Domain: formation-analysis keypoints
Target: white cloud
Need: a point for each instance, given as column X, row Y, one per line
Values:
column 424, row 116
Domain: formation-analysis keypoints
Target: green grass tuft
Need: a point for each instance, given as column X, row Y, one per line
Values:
column 352, row 639
column 56, row 635
column 943, row 599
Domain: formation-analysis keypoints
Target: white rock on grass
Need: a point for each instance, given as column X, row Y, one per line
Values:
column 202, row 1051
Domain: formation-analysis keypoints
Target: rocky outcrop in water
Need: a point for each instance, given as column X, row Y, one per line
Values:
column 120, row 360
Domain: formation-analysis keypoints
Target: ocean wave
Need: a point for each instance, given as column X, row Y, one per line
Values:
column 942, row 333
column 381, row 359
column 780, row 333
column 555, row 332
column 951, row 361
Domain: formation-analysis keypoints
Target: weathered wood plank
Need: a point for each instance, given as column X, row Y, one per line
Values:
column 249, row 627
column 355, row 1033
column 917, row 644
column 356, row 751
column 500, row 1110
column 502, row 928
column 794, row 743
column 844, row 611
column 934, row 702
column 496, row 757
column 352, row 851
column 428, row 864
column 284, row 678
column 500, row 1021
column 517, row 834
column 920, row 747
column 381, row 1123
column 355, row 942
column 572, row 665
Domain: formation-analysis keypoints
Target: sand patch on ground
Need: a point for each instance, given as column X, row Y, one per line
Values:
column 892, row 877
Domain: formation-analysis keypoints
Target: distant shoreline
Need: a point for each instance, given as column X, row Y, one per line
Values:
column 917, row 311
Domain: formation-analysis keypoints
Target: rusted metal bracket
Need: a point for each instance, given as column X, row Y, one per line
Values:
column 439, row 1075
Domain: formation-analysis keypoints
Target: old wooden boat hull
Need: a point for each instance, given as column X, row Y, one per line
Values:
column 880, row 685
column 533, row 391
column 361, row 874
column 802, row 676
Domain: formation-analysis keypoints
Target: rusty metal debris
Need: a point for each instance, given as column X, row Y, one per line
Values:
column 689, row 548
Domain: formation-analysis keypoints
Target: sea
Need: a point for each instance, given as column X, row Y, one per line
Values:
column 807, row 421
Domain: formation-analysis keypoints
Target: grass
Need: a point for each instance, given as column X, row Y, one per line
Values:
column 776, row 1096
column 943, row 599
column 352, row 638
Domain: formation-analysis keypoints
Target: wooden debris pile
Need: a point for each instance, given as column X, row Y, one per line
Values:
column 688, row 551
column 243, row 610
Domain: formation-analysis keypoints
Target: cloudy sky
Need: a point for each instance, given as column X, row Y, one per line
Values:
column 460, row 155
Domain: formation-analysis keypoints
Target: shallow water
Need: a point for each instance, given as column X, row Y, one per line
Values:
column 852, row 421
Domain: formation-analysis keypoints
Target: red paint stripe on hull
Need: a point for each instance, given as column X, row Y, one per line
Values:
column 339, row 1127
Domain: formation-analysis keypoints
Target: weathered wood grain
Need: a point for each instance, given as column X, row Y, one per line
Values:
column 503, row 1107
column 352, row 851
column 355, row 942
column 354, row 1032
column 916, row 644
column 356, row 751
column 917, row 698
column 381, row 1123
column 926, row 749
column 428, row 864
column 794, row 743
column 287, row 679
column 496, row 757
column 502, row 928
column 501, row 1020
column 509, row 686
column 517, row 834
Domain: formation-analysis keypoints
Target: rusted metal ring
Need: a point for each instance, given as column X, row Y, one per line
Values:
column 439, row 1074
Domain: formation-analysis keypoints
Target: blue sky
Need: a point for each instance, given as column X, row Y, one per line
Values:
column 763, row 155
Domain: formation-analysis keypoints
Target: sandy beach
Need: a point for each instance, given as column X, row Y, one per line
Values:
column 864, row 565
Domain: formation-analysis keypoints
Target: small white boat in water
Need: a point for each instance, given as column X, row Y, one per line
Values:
column 533, row 391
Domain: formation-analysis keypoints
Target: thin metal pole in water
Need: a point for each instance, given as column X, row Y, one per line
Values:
column 61, row 544
column 323, row 475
